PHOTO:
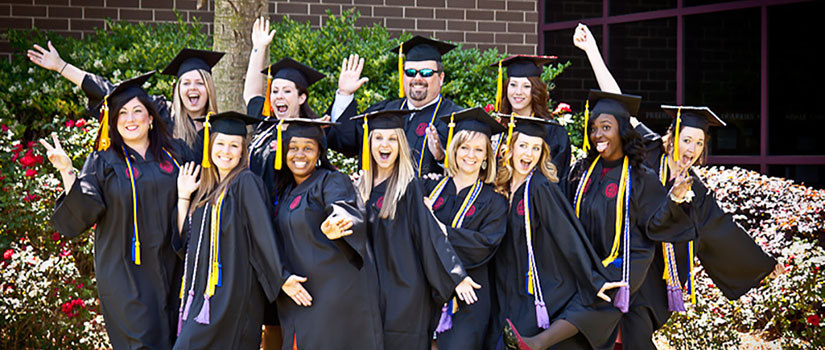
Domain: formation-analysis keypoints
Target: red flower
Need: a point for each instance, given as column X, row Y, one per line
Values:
column 8, row 254
column 69, row 123
column 64, row 253
column 562, row 108
column 55, row 236
column 813, row 320
column 31, row 172
column 17, row 148
column 80, row 123
column 28, row 159
column 4, row 127
column 30, row 197
column 489, row 108
column 31, row 144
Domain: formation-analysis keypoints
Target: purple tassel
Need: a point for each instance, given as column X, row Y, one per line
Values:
column 203, row 316
column 188, row 304
column 675, row 300
column 180, row 320
column 542, row 319
column 622, row 299
column 445, row 323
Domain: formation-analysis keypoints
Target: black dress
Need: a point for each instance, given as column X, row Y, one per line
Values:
column 341, row 275
column 475, row 242
column 347, row 136
column 139, row 302
column 251, row 272
column 559, row 142
column 417, row 268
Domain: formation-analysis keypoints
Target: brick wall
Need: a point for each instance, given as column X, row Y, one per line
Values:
column 509, row 25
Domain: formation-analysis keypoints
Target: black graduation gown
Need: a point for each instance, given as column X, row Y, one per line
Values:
column 139, row 303
column 341, row 275
column 569, row 270
column 251, row 275
column 559, row 142
column 728, row 254
column 475, row 242
column 418, row 269
column 653, row 218
column 347, row 136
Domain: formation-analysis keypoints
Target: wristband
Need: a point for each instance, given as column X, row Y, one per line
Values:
column 64, row 67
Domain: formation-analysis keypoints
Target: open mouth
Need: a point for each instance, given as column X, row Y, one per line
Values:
column 299, row 164
column 224, row 158
column 385, row 156
column 525, row 164
column 193, row 99
column 281, row 108
column 419, row 85
column 602, row 146
column 132, row 127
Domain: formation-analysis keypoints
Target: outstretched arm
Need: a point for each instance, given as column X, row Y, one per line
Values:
column 584, row 40
column 50, row 59
column 261, row 37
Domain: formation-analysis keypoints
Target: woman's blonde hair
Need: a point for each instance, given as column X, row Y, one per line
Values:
column 184, row 128
column 487, row 175
column 211, row 185
column 505, row 167
column 403, row 172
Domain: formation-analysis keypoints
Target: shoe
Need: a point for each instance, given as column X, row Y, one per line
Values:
column 512, row 340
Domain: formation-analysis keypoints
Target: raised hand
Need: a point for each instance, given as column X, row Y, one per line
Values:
column 583, row 39
column 261, row 35
column 683, row 180
column 296, row 290
column 188, row 181
column 434, row 143
column 466, row 290
column 350, row 78
column 49, row 59
column 57, row 156
column 608, row 286
column 335, row 228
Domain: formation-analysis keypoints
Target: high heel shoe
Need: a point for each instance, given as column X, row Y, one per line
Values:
column 512, row 340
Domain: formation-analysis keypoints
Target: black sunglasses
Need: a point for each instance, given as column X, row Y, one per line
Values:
column 425, row 73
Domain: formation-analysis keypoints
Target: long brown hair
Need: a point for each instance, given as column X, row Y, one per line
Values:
column 538, row 98
column 211, row 185
column 505, row 168
column 667, row 145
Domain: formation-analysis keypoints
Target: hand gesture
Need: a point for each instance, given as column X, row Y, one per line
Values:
column 296, row 291
column 335, row 228
column 49, row 59
column 434, row 143
column 607, row 286
column 188, row 180
column 583, row 39
column 356, row 177
column 57, row 156
column 350, row 78
column 465, row 290
column 429, row 202
column 683, row 180
column 261, row 36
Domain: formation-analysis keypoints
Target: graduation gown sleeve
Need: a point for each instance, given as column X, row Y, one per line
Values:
column 263, row 255
column 559, row 142
column 346, row 137
column 341, row 201
column 475, row 247
column 76, row 211
column 662, row 219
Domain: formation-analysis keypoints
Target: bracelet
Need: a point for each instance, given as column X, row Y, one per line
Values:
column 687, row 199
column 183, row 198
column 70, row 171
column 64, row 67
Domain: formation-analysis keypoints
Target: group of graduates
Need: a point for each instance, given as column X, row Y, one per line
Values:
column 463, row 230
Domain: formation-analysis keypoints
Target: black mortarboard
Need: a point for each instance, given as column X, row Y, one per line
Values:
column 698, row 117
column 299, row 127
column 122, row 93
column 381, row 120
column 531, row 126
column 522, row 66
column 420, row 48
column 293, row 71
column 228, row 123
column 191, row 59
column 473, row 119
column 619, row 105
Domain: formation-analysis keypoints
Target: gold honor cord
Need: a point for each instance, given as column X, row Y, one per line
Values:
column 424, row 144
column 667, row 248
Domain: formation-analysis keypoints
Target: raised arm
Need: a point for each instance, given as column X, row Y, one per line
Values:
column 261, row 37
column 584, row 40
column 50, row 59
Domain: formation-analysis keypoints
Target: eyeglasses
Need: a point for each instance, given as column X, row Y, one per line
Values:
column 425, row 73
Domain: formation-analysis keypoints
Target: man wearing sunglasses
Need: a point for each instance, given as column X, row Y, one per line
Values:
column 422, row 78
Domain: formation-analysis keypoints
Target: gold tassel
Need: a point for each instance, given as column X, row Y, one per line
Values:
column 103, row 132
column 499, row 88
column 666, row 273
column 401, row 71
column 205, row 160
column 365, row 147
column 586, row 144
column 692, row 278
column 510, row 127
column 449, row 140
column 267, row 111
column 455, row 305
column 530, row 281
column 676, row 135
column 182, row 284
column 279, row 153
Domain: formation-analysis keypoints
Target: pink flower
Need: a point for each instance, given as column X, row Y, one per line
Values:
column 80, row 123
column 30, row 197
column 8, row 254
column 64, row 253
column 31, row 172
column 4, row 127
column 813, row 320
column 69, row 123
column 28, row 159
column 562, row 108
column 489, row 108
column 56, row 236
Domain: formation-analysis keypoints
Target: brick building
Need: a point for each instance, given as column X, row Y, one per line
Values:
column 752, row 61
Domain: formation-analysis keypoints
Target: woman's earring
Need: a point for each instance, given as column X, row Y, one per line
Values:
column 484, row 165
column 318, row 163
column 151, row 126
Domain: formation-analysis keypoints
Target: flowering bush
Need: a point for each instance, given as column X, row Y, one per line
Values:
column 788, row 221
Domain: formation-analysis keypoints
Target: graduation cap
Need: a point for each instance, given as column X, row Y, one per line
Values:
column 228, row 123
column 418, row 49
column 697, row 117
column 381, row 120
column 191, row 59
column 291, row 70
column 519, row 66
column 472, row 119
column 300, row 127
column 122, row 93
column 618, row 105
